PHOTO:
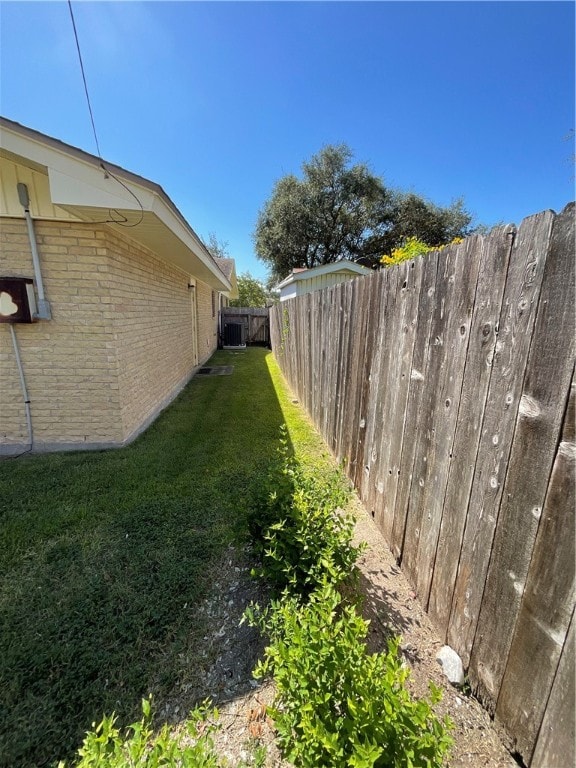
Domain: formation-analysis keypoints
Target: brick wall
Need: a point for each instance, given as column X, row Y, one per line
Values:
column 120, row 343
column 207, row 321
column 151, row 311
column 70, row 362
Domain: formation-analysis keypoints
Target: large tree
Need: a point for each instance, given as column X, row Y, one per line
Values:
column 414, row 216
column 251, row 292
column 339, row 210
column 218, row 248
column 332, row 213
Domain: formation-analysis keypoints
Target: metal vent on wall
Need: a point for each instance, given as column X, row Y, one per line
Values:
column 17, row 300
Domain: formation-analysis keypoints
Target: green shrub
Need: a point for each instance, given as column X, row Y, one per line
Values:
column 303, row 534
column 411, row 248
column 337, row 705
column 272, row 500
column 139, row 747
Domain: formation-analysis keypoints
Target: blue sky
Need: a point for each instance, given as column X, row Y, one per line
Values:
column 215, row 101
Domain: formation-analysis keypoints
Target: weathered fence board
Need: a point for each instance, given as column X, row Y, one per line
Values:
column 388, row 332
column 517, row 318
column 547, row 603
column 401, row 332
column 380, row 285
column 346, row 383
column 557, row 737
column 332, row 332
column 361, row 290
column 450, row 335
column 373, row 306
column 538, row 429
column 443, row 383
column 338, row 328
column 416, row 394
column 494, row 255
column 352, row 423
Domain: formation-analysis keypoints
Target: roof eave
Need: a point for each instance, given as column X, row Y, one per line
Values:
column 80, row 184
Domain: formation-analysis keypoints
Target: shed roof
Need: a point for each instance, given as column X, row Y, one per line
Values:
column 96, row 191
column 344, row 265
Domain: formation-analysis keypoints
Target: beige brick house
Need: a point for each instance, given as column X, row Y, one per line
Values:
column 128, row 293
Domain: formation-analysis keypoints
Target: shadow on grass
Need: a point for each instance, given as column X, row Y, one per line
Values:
column 107, row 556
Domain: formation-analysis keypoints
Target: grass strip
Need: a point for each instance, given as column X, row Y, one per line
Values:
column 106, row 555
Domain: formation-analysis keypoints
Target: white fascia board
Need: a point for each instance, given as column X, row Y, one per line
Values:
column 334, row 267
column 76, row 182
column 288, row 292
column 287, row 281
column 23, row 146
column 88, row 187
column 189, row 238
column 325, row 269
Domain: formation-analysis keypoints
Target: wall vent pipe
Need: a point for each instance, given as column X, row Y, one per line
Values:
column 44, row 312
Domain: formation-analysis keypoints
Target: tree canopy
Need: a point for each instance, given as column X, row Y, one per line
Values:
column 251, row 292
column 415, row 217
column 339, row 210
column 218, row 248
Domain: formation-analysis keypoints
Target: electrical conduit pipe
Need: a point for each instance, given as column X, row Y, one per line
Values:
column 23, row 385
column 44, row 312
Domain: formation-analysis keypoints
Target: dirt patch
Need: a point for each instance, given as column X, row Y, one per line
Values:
column 223, row 670
column 393, row 609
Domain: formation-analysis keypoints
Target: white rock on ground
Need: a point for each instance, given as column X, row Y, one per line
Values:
column 451, row 665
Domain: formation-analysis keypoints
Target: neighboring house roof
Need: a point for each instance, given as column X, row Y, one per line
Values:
column 228, row 268
column 226, row 265
column 95, row 191
column 301, row 273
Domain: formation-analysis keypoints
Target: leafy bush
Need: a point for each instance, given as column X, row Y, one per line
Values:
column 139, row 747
column 273, row 497
column 337, row 705
column 412, row 248
column 304, row 536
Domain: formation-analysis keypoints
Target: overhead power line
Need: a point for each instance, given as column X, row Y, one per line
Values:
column 121, row 220
column 84, row 78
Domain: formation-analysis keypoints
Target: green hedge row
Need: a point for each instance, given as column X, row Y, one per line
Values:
column 337, row 705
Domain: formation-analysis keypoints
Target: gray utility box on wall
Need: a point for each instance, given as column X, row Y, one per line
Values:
column 17, row 300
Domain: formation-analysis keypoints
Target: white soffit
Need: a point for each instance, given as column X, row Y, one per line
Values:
column 81, row 187
column 91, row 188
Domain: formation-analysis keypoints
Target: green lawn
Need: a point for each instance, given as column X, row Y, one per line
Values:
column 105, row 555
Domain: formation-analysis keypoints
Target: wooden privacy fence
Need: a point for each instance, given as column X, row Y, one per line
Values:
column 256, row 323
column 444, row 385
